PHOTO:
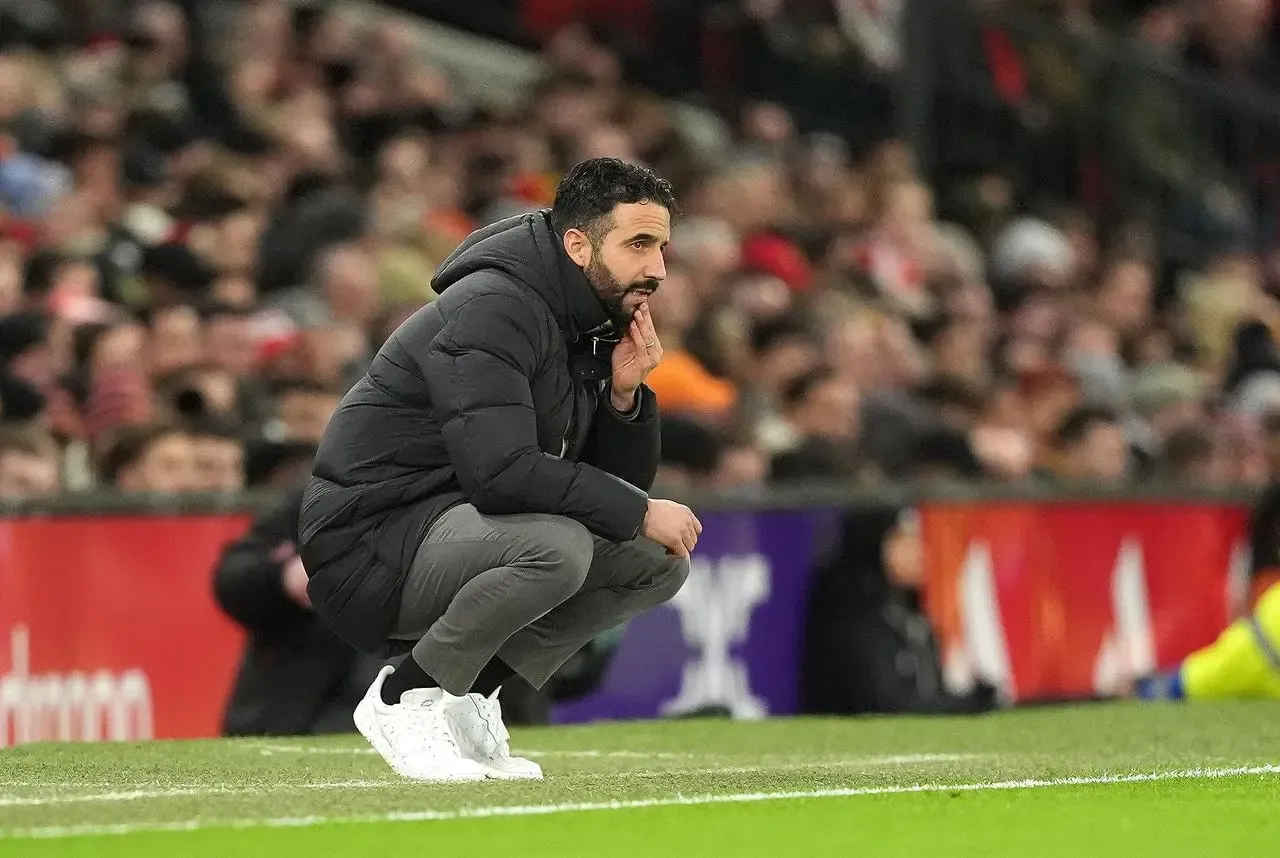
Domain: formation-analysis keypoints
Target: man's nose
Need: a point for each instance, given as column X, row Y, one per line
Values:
column 656, row 267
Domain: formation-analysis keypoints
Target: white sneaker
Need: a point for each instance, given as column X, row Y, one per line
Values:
column 413, row 736
column 477, row 723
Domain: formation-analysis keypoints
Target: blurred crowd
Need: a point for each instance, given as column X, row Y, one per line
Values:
column 212, row 214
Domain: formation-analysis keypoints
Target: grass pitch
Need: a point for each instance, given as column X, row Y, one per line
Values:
column 1092, row 780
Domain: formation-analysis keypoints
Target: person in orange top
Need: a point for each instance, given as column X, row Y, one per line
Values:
column 681, row 383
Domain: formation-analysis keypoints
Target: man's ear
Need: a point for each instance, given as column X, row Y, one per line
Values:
column 578, row 246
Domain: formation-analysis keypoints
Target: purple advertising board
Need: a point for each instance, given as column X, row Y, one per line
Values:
column 732, row 638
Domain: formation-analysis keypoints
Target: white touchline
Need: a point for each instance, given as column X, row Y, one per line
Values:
column 179, row 792
column 138, row 794
column 640, row 804
column 864, row 762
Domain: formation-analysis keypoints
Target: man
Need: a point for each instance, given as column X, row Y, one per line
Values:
column 479, row 495
column 1092, row 447
column 296, row 677
column 153, row 458
column 822, row 411
column 217, row 454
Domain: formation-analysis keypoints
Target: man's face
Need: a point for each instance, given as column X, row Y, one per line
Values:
column 306, row 413
column 167, row 467
column 625, row 265
column 1102, row 455
column 219, row 465
column 829, row 411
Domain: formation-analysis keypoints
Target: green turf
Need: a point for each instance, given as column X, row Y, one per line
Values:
column 335, row 798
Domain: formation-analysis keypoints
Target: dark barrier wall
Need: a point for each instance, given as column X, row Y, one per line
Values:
column 108, row 628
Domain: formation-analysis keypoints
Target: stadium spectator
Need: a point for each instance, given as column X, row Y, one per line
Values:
column 151, row 458
column 30, row 462
column 218, row 456
column 270, row 194
column 303, row 408
column 296, row 677
column 1091, row 447
column 868, row 648
column 821, row 411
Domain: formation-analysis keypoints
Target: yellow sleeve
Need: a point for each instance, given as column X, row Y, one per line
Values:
column 1244, row 662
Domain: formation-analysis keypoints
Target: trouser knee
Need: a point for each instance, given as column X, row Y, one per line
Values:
column 562, row 550
column 669, row 577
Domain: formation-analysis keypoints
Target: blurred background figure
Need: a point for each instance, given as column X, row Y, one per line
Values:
column 296, row 677
column 868, row 647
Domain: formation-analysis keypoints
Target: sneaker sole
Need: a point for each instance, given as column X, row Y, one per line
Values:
column 497, row 774
column 367, row 724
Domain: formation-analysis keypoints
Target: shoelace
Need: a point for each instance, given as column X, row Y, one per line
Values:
column 490, row 733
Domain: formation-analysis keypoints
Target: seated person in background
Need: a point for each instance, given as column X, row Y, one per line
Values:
column 29, row 462
column 296, row 677
column 822, row 411
column 696, row 457
column 303, row 409
column 150, row 458
column 868, row 648
column 1092, row 447
column 218, row 455
column 1192, row 454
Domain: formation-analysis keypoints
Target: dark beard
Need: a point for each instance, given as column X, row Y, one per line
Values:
column 611, row 292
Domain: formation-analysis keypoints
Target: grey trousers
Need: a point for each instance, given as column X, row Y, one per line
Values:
column 530, row 589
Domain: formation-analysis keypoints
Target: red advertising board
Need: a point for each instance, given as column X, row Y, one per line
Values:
column 1058, row 600
column 108, row 628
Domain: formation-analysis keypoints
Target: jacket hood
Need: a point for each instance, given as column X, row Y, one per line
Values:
column 526, row 249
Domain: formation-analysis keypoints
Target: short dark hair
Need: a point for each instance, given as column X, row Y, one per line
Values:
column 590, row 191
column 786, row 329
column 1079, row 421
column 210, row 310
column 801, row 387
column 212, row 427
column 284, row 386
column 131, row 443
column 1186, row 446
column 28, row 439
column 689, row 444
column 946, row 391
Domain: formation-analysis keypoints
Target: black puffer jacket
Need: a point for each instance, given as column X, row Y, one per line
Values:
column 490, row 395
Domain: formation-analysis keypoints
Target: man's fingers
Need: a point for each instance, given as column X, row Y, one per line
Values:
column 646, row 325
column 697, row 525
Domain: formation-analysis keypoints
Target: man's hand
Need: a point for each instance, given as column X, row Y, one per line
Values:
column 295, row 582
column 671, row 525
column 633, row 359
